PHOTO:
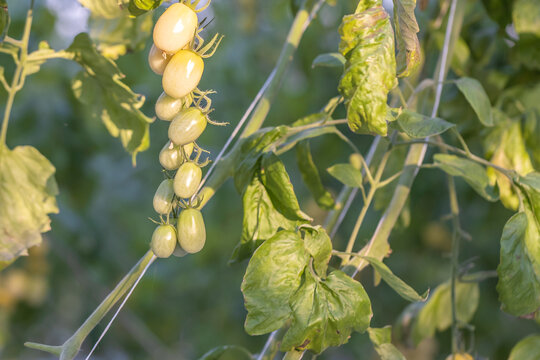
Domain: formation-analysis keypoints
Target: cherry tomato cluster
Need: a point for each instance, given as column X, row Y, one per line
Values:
column 177, row 54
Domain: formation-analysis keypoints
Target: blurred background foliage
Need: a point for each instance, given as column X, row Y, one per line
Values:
column 184, row 307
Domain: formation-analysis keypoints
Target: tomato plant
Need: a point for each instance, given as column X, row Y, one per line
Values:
column 415, row 132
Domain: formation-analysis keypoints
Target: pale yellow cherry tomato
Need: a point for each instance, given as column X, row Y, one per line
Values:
column 187, row 126
column 175, row 28
column 182, row 74
column 187, row 180
column 167, row 107
column 171, row 157
column 191, row 230
column 158, row 60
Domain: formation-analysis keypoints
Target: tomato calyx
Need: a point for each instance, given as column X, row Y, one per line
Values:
column 192, row 4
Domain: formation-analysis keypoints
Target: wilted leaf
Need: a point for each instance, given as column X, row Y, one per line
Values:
column 329, row 60
column 325, row 312
column 409, row 52
column 108, row 98
column 477, row 98
column 27, row 196
column 272, row 276
column 367, row 42
column 346, row 174
column 311, row 176
column 399, row 286
column 475, row 175
column 436, row 314
column 419, row 126
column 526, row 349
column 382, row 340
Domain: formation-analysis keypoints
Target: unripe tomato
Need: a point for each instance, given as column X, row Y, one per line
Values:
column 167, row 107
column 191, row 230
column 187, row 180
column 164, row 197
column 187, row 126
column 158, row 60
column 175, row 28
column 460, row 356
column 163, row 241
column 182, row 74
column 170, row 157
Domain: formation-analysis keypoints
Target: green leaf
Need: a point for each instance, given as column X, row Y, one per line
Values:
column 519, row 268
column 319, row 246
column 367, row 42
column 261, row 220
column 28, row 195
column 477, row 98
column 227, row 352
column 436, row 313
column 4, row 19
column 505, row 147
column 326, row 312
column 526, row 17
column 526, row 349
column 474, row 174
column 346, row 174
column 272, row 276
column 382, row 339
column 139, row 7
column 399, row 286
column 108, row 9
column 419, row 126
column 329, row 60
column 311, row 176
column 250, row 151
column 117, row 36
column 106, row 97
column 277, row 183
column 409, row 53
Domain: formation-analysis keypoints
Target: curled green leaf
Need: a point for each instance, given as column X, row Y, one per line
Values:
column 409, row 53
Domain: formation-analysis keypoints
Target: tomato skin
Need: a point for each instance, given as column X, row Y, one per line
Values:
column 187, row 126
column 460, row 356
column 175, row 28
column 187, row 180
column 179, row 252
column 163, row 241
column 158, row 60
column 163, row 198
column 167, row 107
column 182, row 74
column 191, row 231
column 170, row 157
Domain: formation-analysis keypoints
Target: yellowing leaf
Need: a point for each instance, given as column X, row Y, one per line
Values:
column 108, row 98
column 27, row 195
column 367, row 42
